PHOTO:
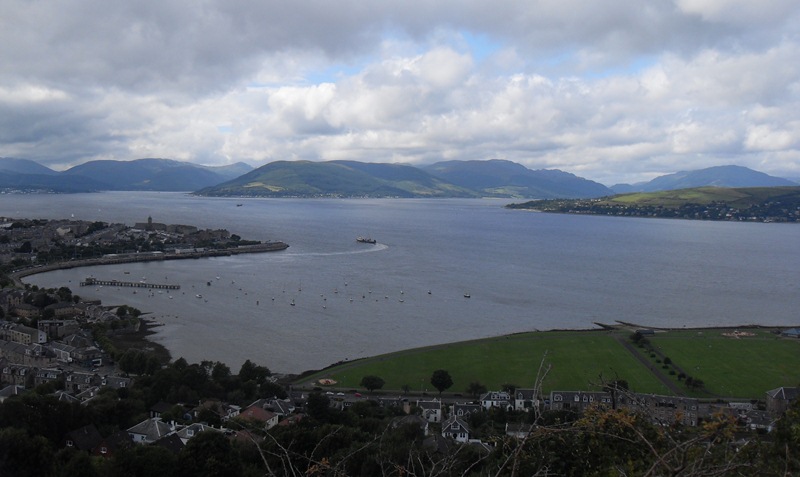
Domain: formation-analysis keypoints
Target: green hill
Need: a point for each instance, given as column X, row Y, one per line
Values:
column 768, row 204
column 500, row 178
column 336, row 179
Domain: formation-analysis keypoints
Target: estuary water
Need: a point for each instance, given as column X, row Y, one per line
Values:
column 328, row 298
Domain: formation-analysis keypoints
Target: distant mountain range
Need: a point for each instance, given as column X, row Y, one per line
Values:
column 719, row 176
column 141, row 174
column 499, row 178
column 491, row 178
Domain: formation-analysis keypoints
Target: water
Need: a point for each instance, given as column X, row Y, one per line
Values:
column 523, row 271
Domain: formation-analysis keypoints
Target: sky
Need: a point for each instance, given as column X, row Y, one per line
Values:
column 614, row 91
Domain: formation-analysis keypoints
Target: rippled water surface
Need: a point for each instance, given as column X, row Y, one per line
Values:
column 522, row 270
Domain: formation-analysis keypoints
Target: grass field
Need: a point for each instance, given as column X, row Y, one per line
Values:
column 577, row 359
column 744, row 367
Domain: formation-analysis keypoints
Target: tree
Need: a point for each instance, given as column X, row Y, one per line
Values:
column 252, row 372
column 372, row 382
column 475, row 389
column 441, row 380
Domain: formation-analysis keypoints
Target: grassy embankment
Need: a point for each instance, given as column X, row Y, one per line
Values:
column 742, row 367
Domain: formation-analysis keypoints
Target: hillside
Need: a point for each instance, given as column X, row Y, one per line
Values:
column 48, row 183
column 720, row 176
column 500, row 178
column 23, row 166
column 336, row 179
column 148, row 174
column 765, row 204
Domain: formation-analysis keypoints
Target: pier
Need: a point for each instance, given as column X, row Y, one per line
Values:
column 115, row 283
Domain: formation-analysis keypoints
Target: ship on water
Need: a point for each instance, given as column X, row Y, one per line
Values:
column 366, row 240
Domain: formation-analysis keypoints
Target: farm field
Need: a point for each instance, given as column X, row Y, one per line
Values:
column 733, row 365
column 741, row 367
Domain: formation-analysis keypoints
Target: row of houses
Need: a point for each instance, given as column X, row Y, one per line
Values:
column 81, row 385
column 442, row 424
column 74, row 349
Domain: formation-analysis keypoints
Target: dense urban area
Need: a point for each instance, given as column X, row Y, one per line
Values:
column 84, row 393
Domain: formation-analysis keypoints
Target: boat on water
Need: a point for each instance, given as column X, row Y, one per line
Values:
column 366, row 240
column 467, row 295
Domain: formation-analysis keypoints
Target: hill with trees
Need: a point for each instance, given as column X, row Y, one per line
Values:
column 336, row 179
column 500, row 178
column 761, row 204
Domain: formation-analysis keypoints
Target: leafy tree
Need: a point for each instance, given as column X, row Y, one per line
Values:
column 372, row 382
column 25, row 247
column 23, row 455
column 220, row 372
column 510, row 388
column 252, row 372
column 475, row 389
column 144, row 460
column 64, row 294
column 318, row 406
column 441, row 380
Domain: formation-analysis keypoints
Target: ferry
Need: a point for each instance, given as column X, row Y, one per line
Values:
column 366, row 240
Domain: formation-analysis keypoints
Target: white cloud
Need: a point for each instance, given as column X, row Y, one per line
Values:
column 613, row 90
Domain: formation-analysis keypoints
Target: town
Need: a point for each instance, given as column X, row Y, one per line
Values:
column 102, row 402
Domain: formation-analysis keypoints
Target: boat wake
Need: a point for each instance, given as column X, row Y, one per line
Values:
column 375, row 248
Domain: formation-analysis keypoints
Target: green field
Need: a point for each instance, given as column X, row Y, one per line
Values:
column 577, row 360
column 744, row 367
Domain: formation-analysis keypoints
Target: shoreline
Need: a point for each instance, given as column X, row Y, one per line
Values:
column 18, row 275
column 140, row 340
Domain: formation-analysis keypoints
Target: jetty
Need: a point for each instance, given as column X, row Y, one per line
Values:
column 91, row 281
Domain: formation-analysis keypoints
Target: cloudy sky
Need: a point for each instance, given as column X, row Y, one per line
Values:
column 612, row 90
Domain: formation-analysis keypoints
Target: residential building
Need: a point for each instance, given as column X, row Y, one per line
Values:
column 779, row 399
column 431, row 410
column 150, row 430
column 525, row 399
column 500, row 399
column 456, row 428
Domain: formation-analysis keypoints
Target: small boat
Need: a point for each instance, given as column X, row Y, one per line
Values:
column 238, row 205
column 366, row 240
column 199, row 295
column 467, row 295
column 292, row 303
